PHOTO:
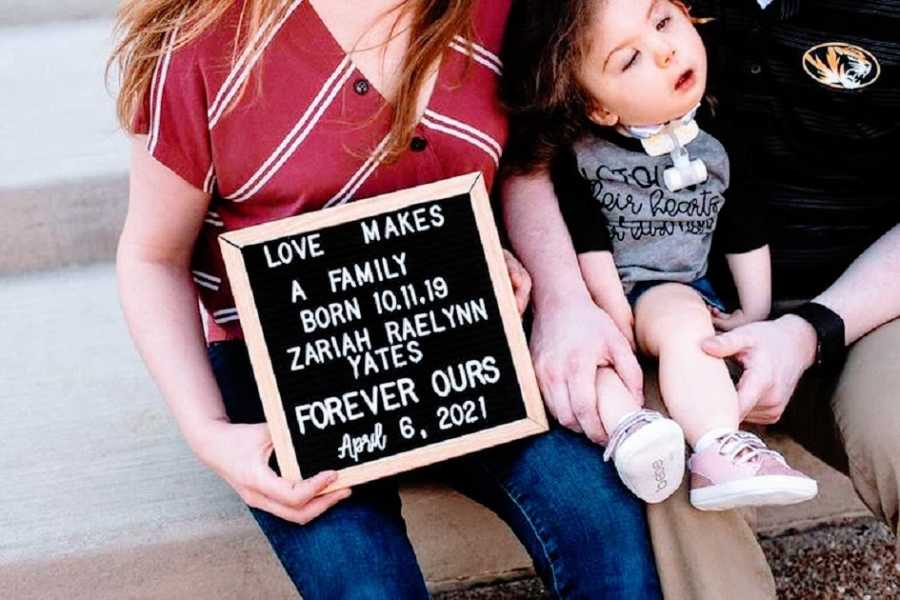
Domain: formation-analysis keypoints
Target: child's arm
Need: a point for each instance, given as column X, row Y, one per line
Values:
column 602, row 280
column 586, row 223
column 752, row 273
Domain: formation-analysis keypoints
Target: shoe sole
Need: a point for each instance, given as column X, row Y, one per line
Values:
column 651, row 461
column 767, row 490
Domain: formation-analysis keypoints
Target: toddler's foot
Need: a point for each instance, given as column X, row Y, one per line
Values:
column 648, row 451
column 737, row 469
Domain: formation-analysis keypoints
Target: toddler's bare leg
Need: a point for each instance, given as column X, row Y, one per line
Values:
column 615, row 401
column 648, row 450
column 671, row 320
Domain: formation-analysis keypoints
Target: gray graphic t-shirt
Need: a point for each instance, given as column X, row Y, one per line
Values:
column 624, row 206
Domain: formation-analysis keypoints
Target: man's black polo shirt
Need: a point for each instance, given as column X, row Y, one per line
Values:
column 824, row 159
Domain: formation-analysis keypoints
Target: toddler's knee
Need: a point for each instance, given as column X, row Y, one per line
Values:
column 677, row 314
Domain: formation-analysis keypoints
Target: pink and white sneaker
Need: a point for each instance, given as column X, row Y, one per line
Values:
column 737, row 469
column 648, row 451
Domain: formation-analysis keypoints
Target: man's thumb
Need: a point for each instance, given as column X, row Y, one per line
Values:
column 724, row 345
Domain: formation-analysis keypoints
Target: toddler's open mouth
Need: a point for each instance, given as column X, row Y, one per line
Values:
column 685, row 81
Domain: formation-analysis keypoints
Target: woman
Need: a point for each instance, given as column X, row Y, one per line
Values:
column 250, row 111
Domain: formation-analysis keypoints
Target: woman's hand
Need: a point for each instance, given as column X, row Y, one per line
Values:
column 521, row 280
column 240, row 453
column 569, row 342
column 774, row 354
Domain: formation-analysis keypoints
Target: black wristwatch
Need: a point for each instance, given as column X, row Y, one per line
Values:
column 831, row 347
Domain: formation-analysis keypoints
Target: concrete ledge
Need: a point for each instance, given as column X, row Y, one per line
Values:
column 20, row 12
column 63, row 159
column 63, row 224
column 237, row 563
column 104, row 500
column 836, row 502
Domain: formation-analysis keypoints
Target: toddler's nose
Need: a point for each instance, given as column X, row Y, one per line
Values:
column 664, row 54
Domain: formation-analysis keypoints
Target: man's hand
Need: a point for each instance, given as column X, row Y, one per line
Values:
column 568, row 343
column 774, row 354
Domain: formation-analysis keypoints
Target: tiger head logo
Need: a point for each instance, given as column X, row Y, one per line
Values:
column 841, row 66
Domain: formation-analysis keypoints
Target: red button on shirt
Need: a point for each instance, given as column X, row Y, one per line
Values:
column 307, row 138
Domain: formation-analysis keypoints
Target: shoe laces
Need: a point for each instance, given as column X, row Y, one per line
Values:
column 624, row 429
column 744, row 447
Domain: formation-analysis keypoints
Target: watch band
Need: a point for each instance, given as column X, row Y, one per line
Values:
column 832, row 346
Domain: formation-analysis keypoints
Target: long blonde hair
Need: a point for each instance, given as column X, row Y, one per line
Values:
column 142, row 27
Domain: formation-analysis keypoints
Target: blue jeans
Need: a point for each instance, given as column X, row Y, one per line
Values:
column 584, row 531
column 702, row 286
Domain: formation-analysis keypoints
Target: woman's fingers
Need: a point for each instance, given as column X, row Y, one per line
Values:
column 301, row 515
column 294, row 493
column 523, row 290
column 520, row 279
column 295, row 501
column 523, row 294
column 320, row 504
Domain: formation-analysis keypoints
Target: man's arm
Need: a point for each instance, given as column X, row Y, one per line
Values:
column 868, row 293
column 540, row 240
column 775, row 354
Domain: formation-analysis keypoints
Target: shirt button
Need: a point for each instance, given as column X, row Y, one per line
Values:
column 418, row 144
column 361, row 87
column 755, row 68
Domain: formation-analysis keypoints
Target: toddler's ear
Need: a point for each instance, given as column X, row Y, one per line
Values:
column 601, row 116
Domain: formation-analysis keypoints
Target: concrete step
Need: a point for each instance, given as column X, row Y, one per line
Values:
column 102, row 499
column 63, row 159
column 27, row 12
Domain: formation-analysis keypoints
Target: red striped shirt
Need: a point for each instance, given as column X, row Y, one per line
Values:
column 312, row 134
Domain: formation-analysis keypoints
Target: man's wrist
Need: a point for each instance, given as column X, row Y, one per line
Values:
column 830, row 333
column 559, row 298
column 803, row 334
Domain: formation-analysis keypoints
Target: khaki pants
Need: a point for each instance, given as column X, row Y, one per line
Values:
column 716, row 555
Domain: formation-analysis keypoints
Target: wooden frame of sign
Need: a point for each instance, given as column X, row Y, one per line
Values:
column 464, row 193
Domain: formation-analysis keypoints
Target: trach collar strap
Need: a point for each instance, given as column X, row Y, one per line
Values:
column 672, row 138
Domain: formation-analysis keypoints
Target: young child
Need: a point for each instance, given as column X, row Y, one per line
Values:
column 642, row 190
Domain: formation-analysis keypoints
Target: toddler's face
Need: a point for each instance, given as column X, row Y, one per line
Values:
column 646, row 63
